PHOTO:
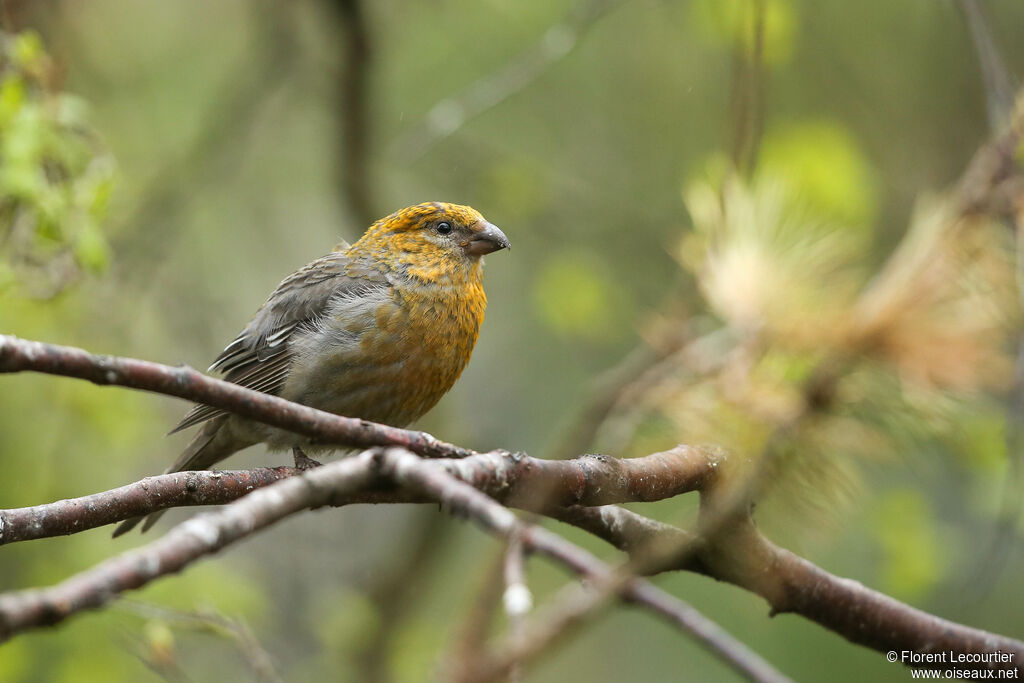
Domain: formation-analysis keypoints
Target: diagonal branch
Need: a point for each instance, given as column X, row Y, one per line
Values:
column 790, row 584
column 740, row 555
column 180, row 547
column 18, row 355
column 995, row 76
column 461, row 498
column 450, row 114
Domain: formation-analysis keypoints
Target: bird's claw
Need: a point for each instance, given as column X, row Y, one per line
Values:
column 302, row 461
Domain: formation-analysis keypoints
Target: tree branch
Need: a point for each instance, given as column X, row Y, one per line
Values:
column 517, row 599
column 567, row 490
column 512, row 478
column 209, row 533
column 353, row 110
column 17, row 355
column 450, row 114
column 742, row 556
column 181, row 546
column 461, row 498
column 179, row 489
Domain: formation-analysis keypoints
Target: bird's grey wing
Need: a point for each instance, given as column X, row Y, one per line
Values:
column 260, row 357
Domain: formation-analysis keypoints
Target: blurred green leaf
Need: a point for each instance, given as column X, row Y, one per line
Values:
column 825, row 168
column 55, row 180
column 27, row 49
column 91, row 249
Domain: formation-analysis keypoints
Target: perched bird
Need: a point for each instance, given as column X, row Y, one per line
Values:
column 378, row 330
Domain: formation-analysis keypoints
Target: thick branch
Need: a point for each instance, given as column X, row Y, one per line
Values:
column 744, row 557
column 17, row 355
column 512, row 478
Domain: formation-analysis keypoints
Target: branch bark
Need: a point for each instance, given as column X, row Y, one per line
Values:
column 418, row 475
column 206, row 534
column 790, row 584
column 511, row 478
column 566, row 490
column 18, row 355
column 180, row 547
column 739, row 554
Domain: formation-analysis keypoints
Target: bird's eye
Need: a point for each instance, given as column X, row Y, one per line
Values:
column 444, row 228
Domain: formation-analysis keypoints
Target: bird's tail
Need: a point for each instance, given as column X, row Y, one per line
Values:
column 209, row 446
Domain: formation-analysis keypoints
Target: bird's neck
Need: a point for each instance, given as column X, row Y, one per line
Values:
column 443, row 271
column 424, row 267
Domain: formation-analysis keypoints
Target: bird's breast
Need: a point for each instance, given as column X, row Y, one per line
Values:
column 392, row 359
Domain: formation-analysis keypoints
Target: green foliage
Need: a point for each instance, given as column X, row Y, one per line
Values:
column 55, row 181
column 823, row 162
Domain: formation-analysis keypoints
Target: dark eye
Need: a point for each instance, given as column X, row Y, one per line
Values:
column 444, row 228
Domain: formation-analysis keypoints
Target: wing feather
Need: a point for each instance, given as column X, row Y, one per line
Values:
column 260, row 357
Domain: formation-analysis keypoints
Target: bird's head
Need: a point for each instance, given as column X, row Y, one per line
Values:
column 432, row 235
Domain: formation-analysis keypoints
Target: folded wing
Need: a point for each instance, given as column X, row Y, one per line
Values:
column 260, row 357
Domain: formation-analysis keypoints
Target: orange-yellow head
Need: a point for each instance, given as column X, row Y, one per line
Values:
column 432, row 239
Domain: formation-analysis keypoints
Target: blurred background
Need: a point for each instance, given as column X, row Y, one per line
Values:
column 732, row 221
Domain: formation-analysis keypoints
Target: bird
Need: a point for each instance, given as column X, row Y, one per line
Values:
column 379, row 330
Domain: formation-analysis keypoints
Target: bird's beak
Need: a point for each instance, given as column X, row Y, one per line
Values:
column 485, row 238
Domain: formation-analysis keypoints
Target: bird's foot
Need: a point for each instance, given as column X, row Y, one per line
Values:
column 303, row 461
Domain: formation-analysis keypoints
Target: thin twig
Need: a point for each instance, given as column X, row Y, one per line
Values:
column 995, row 76
column 153, row 222
column 552, row 623
column 450, row 114
column 517, row 599
column 254, row 655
